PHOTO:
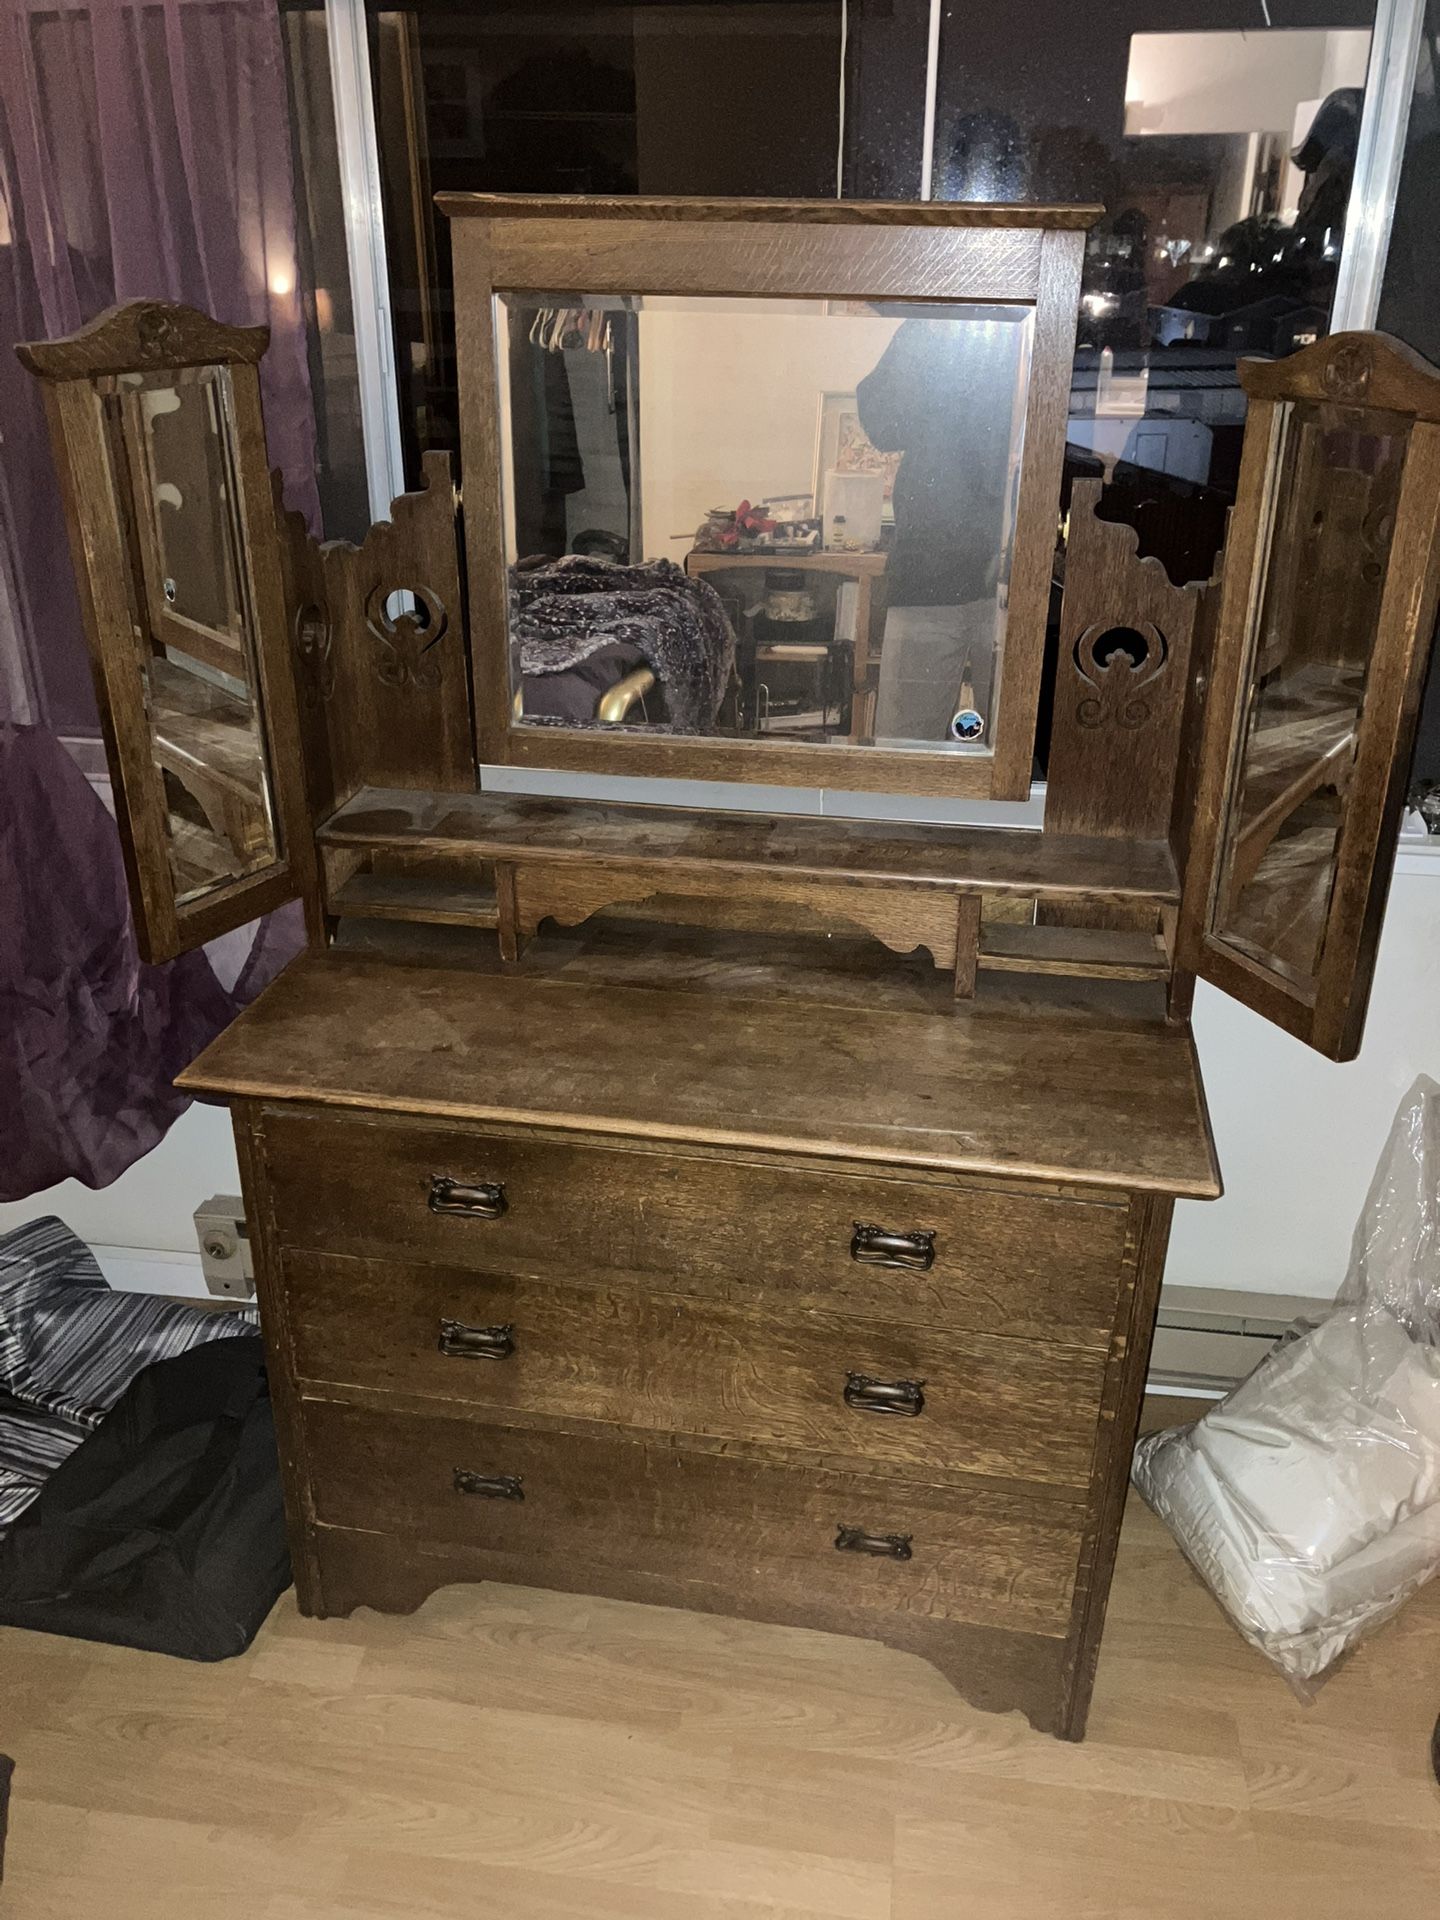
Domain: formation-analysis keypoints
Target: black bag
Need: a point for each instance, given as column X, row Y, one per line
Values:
column 165, row 1528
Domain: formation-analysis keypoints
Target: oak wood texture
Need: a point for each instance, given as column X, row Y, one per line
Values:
column 1097, row 953
column 1115, row 732
column 555, row 1757
column 960, row 214
column 908, row 886
column 384, row 695
column 140, row 336
column 713, row 947
column 701, row 1224
column 148, row 336
column 762, row 1377
column 1351, row 370
column 1358, row 369
column 1106, row 1104
column 415, row 897
column 901, row 916
column 684, row 1338
column 798, row 249
column 626, row 1506
column 589, row 833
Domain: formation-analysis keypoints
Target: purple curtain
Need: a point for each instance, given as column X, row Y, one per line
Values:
column 90, row 1037
column 144, row 152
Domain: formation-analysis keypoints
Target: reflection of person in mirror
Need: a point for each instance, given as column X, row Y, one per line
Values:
column 942, row 395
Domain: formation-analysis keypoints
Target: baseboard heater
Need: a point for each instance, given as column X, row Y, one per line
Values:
column 1207, row 1339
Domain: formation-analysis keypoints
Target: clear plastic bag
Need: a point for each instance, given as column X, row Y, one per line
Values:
column 1309, row 1498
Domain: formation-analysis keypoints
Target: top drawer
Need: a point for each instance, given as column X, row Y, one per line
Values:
column 966, row 1256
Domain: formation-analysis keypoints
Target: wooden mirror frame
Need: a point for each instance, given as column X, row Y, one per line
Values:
column 1361, row 370
column 856, row 250
column 155, row 337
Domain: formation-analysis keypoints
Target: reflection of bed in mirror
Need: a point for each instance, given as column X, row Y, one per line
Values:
column 581, row 624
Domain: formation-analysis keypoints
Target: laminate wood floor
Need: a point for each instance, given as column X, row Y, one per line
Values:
column 530, row 1756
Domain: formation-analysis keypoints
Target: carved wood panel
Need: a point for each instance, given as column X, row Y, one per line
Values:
column 1120, row 682
column 378, row 640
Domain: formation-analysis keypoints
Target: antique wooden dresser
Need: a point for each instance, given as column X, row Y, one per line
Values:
column 712, row 1204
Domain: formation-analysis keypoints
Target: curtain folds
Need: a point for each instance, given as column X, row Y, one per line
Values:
column 144, row 153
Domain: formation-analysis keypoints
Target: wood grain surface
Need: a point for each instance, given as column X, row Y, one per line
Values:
column 758, row 1533
column 547, row 1756
column 1104, row 1103
column 762, row 211
column 660, row 1362
column 583, row 833
column 706, row 1225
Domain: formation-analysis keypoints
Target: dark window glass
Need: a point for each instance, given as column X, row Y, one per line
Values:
column 1410, row 309
column 737, row 98
column 1222, row 149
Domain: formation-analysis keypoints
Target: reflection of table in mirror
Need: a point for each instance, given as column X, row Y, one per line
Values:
column 866, row 570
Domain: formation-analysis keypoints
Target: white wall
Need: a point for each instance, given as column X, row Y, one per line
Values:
column 141, row 1225
column 1298, row 1136
column 729, row 403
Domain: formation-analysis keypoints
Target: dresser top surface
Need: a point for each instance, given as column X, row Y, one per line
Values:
column 987, row 1089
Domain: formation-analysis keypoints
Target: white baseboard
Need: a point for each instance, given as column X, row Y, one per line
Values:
column 153, row 1270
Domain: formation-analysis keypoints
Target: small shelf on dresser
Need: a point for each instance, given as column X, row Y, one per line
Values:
column 420, row 898
column 1089, row 953
column 909, row 886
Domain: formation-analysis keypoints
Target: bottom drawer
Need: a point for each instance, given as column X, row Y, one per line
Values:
column 535, row 1500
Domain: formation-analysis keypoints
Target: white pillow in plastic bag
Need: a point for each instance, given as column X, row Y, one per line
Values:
column 1309, row 1498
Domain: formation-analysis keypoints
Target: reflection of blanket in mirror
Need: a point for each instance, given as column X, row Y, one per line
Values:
column 563, row 611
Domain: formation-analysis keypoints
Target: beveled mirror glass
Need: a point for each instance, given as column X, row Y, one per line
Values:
column 172, row 442
column 776, row 485
column 1332, row 496
column 1312, row 688
column 774, row 520
column 159, row 441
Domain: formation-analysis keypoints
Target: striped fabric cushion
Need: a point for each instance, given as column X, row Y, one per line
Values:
column 69, row 1347
column 32, row 1445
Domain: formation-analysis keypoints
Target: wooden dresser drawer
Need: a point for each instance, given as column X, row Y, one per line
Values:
column 548, row 1507
column 999, row 1261
column 488, row 1340
column 945, row 1405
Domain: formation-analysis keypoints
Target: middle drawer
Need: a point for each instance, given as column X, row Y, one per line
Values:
column 946, row 1404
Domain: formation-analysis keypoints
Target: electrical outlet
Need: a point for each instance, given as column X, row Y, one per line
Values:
column 225, row 1254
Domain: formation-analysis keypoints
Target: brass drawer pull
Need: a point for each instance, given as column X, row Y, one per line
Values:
column 476, row 1343
column 884, row 1546
column 485, row 1201
column 884, row 1396
column 879, row 1247
column 490, row 1486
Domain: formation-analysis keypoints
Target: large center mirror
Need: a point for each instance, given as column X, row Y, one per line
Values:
column 777, row 485
column 776, row 520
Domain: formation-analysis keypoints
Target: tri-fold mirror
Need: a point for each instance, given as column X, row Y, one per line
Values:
column 763, row 493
